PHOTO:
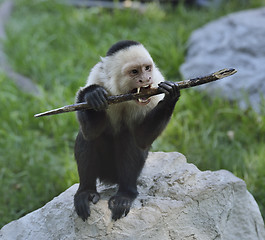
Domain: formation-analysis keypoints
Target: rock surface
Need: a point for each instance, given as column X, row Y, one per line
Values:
column 176, row 201
column 236, row 41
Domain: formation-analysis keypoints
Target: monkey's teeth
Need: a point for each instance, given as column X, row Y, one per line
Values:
column 142, row 100
column 138, row 90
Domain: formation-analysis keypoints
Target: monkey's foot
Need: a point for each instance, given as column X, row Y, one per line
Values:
column 81, row 202
column 120, row 206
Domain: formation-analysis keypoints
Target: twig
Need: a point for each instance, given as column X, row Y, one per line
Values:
column 146, row 94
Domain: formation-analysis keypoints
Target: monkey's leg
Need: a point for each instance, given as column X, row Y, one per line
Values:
column 88, row 173
column 129, row 165
column 121, row 202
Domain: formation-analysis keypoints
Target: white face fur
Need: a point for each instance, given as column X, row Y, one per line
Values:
column 127, row 70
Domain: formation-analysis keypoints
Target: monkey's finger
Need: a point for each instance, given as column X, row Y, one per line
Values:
column 174, row 89
column 162, row 90
column 78, row 211
column 101, row 102
column 178, row 91
column 111, row 203
column 127, row 206
column 124, row 208
column 95, row 198
column 117, row 212
column 163, row 87
column 86, row 213
column 96, row 101
column 82, row 205
column 84, row 210
column 127, row 210
column 89, row 98
column 105, row 92
column 103, row 98
column 93, row 103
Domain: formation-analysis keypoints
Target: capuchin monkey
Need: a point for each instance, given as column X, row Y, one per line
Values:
column 113, row 142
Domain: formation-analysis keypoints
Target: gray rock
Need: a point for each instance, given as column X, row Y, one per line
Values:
column 21, row 81
column 176, row 201
column 236, row 41
column 5, row 11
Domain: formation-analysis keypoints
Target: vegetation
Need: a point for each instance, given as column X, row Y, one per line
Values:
column 56, row 45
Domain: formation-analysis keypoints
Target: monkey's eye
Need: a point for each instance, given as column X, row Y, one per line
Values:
column 134, row 71
column 148, row 68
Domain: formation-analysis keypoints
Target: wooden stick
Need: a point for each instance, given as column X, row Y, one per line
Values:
column 146, row 94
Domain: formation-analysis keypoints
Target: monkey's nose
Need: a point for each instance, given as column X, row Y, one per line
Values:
column 148, row 80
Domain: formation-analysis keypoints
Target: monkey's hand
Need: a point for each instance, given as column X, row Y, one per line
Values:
column 171, row 90
column 81, row 202
column 96, row 97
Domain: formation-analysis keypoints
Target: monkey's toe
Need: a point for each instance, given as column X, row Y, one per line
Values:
column 119, row 206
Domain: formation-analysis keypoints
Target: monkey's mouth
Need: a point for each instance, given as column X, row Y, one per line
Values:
column 142, row 101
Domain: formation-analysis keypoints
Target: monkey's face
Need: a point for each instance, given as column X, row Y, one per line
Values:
column 130, row 71
column 137, row 76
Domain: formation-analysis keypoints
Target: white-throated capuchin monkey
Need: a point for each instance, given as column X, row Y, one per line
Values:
column 113, row 142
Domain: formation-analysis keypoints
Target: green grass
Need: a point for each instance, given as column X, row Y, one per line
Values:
column 56, row 46
column 35, row 157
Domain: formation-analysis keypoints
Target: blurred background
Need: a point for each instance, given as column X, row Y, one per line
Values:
column 53, row 44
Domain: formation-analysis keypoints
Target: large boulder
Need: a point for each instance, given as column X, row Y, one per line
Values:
column 236, row 41
column 176, row 201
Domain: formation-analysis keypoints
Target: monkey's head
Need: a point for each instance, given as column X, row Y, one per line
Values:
column 130, row 68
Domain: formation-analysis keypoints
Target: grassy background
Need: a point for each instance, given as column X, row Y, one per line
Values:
column 56, row 45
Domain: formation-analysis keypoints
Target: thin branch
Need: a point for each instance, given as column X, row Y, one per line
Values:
column 146, row 94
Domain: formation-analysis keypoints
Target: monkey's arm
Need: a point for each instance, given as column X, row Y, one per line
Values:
column 92, row 121
column 157, row 119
